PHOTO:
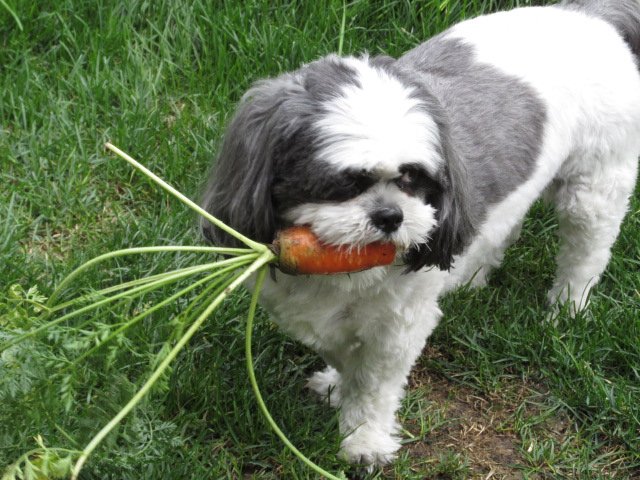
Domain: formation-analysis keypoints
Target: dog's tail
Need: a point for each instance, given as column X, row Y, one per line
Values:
column 624, row 15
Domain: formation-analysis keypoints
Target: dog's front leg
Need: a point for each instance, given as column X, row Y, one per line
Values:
column 373, row 375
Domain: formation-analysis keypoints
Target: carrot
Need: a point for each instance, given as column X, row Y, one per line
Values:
column 300, row 252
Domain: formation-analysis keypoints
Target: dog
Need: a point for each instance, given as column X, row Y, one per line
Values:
column 442, row 152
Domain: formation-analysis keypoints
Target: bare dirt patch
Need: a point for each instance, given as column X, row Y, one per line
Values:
column 477, row 426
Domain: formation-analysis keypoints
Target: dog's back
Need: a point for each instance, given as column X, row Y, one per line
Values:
column 543, row 97
column 624, row 15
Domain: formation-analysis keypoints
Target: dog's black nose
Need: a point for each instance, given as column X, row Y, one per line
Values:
column 387, row 218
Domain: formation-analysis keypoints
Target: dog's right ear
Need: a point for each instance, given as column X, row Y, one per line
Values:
column 239, row 187
column 456, row 224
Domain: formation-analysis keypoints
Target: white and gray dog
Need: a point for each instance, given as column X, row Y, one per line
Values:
column 441, row 152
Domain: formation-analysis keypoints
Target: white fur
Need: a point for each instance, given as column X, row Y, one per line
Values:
column 380, row 124
column 591, row 87
column 348, row 223
column 371, row 326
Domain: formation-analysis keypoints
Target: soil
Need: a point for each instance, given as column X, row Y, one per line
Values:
column 477, row 426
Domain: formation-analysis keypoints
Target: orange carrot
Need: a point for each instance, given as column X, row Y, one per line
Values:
column 300, row 252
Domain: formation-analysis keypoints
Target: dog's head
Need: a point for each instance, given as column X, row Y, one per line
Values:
column 354, row 148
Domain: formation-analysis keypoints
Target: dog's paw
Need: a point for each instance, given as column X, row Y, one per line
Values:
column 326, row 383
column 559, row 301
column 481, row 278
column 369, row 447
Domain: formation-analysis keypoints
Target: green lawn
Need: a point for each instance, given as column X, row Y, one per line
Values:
column 499, row 392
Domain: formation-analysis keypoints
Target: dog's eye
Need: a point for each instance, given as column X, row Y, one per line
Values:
column 414, row 181
column 406, row 183
column 361, row 180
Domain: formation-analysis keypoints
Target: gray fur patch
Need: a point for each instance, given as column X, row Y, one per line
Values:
column 326, row 78
column 452, row 199
column 496, row 122
column 266, row 158
column 624, row 15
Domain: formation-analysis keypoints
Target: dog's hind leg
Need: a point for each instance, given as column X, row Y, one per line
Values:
column 591, row 197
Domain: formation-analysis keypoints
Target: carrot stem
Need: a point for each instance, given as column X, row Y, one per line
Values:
column 158, row 306
column 256, row 388
column 258, row 247
column 137, row 291
column 153, row 279
column 132, row 251
column 256, row 265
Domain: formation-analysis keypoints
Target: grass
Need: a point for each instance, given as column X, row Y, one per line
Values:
column 497, row 390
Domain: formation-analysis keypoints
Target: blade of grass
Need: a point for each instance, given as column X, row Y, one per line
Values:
column 342, row 27
column 12, row 13
column 14, row 470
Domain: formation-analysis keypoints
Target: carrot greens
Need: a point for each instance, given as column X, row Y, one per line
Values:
column 213, row 280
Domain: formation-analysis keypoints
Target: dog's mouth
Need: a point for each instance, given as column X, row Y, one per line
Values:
column 355, row 241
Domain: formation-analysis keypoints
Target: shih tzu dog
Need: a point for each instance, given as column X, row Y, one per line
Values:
column 441, row 152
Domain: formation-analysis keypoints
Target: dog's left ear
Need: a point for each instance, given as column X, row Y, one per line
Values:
column 239, row 191
column 452, row 204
